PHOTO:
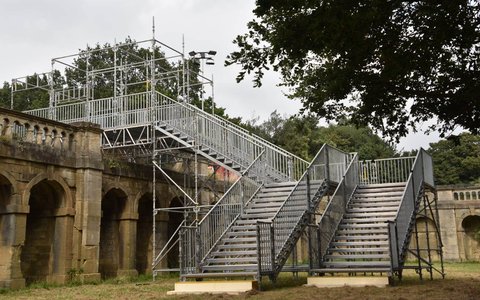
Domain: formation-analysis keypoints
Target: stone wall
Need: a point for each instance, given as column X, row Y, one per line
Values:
column 459, row 215
column 63, row 212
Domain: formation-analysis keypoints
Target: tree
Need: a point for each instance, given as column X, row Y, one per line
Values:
column 303, row 136
column 456, row 159
column 388, row 64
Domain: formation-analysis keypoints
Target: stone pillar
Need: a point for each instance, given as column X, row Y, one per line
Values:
column 448, row 231
column 14, row 222
column 62, row 245
column 127, row 244
column 88, row 199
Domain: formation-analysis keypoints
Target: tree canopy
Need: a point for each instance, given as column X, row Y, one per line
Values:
column 303, row 136
column 456, row 160
column 100, row 58
column 388, row 64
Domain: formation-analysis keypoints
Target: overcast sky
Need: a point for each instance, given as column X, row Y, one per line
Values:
column 35, row 31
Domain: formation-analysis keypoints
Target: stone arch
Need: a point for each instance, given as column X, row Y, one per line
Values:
column 112, row 238
column 67, row 200
column 46, row 254
column 471, row 239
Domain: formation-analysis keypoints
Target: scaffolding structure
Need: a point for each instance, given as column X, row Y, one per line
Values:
column 120, row 87
column 128, row 87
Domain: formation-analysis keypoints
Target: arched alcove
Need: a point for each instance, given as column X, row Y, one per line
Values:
column 111, row 241
column 471, row 226
column 41, row 255
column 5, row 195
column 175, row 218
column 144, row 234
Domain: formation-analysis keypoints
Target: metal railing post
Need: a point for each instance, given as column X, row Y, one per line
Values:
column 290, row 168
column 198, row 256
column 327, row 165
column 272, row 241
column 259, row 254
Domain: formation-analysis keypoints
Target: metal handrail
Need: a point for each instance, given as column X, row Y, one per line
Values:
column 282, row 229
column 232, row 186
column 223, row 214
column 385, row 170
column 337, row 206
column 140, row 109
column 399, row 229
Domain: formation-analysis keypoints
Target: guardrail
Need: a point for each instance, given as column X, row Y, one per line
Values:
column 388, row 170
column 276, row 238
column 400, row 229
column 221, row 135
column 336, row 208
column 222, row 215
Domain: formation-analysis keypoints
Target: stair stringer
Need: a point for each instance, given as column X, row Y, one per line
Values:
column 191, row 146
column 404, row 247
column 221, row 238
column 298, row 229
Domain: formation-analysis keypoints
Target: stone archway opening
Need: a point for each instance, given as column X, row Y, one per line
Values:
column 175, row 218
column 5, row 195
column 111, row 240
column 144, row 241
column 471, row 226
column 40, row 258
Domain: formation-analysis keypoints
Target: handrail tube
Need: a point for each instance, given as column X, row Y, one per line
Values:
column 420, row 174
column 285, row 222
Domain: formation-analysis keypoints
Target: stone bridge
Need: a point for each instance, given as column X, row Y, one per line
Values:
column 65, row 212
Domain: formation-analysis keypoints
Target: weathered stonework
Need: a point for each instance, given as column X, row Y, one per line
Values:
column 63, row 212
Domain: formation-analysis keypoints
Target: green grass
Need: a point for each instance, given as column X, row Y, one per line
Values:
column 461, row 278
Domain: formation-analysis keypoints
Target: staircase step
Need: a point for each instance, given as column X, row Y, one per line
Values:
column 232, row 234
column 354, row 232
column 361, row 237
column 231, row 260
column 362, row 226
column 367, row 244
column 372, row 209
column 356, row 264
column 364, row 204
column 234, row 253
column 366, row 220
column 238, row 246
column 238, row 267
column 355, row 270
column 359, row 250
column 369, row 214
column 235, row 239
column 357, row 256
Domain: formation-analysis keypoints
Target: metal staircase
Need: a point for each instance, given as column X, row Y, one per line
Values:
column 361, row 242
column 366, row 227
column 253, row 228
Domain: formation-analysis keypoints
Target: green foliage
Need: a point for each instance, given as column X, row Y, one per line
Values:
column 388, row 64
column 457, row 159
column 303, row 136
column 103, row 57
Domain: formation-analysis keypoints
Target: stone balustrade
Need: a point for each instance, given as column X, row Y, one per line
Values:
column 30, row 129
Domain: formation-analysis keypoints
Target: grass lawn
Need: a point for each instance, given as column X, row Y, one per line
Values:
column 461, row 282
